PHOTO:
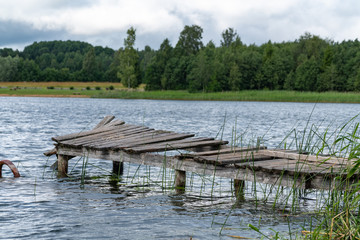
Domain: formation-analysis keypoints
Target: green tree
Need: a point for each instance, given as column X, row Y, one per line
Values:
column 190, row 40
column 202, row 71
column 89, row 67
column 228, row 37
column 28, row 71
column 128, row 57
column 8, row 68
column 306, row 75
column 235, row 78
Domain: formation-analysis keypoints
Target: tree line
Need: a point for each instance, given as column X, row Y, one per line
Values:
column 309, row 63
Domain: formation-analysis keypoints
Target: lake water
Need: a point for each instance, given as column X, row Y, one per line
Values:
column 141, row 205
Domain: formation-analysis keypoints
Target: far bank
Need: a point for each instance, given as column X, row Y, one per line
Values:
column 251, row 95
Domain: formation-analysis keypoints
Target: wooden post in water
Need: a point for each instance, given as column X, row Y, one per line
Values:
column 63, row 165
column 239, row 186
column 118, row 168
column 180, row 181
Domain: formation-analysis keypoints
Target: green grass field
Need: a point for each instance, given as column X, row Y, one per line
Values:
column 264, row 95
column 101, row 90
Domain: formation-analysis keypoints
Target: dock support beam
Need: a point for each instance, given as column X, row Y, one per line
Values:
column 63, row 165
column 180, row 181
column 239, row 186
column 118, row 168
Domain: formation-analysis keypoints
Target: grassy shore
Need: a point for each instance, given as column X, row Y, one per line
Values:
column 103, row 90
column 263, row 95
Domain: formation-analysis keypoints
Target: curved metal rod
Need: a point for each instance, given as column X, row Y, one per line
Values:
column 11, row 166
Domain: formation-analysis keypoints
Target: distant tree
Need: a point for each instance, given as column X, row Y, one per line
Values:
column 89, row 67
column 202, row 71
column 128, row 57
column 189, row 42
column 228, row 37
column 8, row 68
column 28, row 71
column 146, row 58
column 155, row 76
column 235, row 78
column 306, row 75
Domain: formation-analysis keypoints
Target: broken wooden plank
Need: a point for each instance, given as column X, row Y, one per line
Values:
column 50, row 152
column 105, row 121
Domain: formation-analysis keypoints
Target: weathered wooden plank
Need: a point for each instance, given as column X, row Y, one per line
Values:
column 125, row 138
column 174, row 145
column 222, row 151
column 50, row 152
column 129, row 143
column 84, row 133
column 231, row 159
column 290, row 166
column 296, row 156
column 308, row 169
column 107, row 139
column 105, row 121
column 120, row 130
column 115, row 123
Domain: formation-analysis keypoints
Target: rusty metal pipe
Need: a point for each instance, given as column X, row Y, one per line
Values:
column 11, row 166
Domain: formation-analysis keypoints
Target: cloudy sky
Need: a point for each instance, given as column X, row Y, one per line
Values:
column 104, row 22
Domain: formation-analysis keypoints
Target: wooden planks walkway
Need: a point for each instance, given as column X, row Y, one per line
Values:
column 119, row 142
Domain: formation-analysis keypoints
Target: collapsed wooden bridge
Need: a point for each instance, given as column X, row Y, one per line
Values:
column 119, row 142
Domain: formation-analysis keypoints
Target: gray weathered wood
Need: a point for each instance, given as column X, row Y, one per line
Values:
column 159, row 160
column 105, row 121
column 62, row 165
column 174, row 145
column 295, row 156
column 119, row 142
column 106, row 136
column 223, row 151
column 180, row 181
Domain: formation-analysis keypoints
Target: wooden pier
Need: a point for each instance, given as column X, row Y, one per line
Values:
column 119, row 142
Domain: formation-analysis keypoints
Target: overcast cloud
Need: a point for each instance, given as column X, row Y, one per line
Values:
column 104, row 22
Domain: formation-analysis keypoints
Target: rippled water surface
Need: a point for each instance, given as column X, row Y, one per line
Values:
column 142, row 205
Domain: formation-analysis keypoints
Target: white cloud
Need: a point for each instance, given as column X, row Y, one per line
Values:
column 256, row 21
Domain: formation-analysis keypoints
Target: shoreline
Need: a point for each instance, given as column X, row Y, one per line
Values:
column 45, row 95
column 174, row 98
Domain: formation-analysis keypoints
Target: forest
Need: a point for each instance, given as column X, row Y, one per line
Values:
column 308, row 63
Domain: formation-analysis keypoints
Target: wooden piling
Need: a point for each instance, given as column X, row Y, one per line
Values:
column 180, row 181
column 118, row 168
column 63, row 165
column 239, row 186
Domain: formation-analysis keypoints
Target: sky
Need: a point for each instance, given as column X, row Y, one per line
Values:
column 105, row 22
